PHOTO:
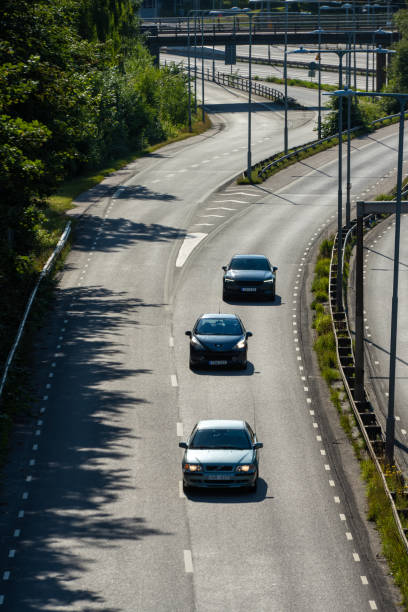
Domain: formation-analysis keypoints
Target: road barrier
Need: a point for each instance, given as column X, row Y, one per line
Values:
column 44, row 272
column 364, row 414
column 270, row 162
column 239, row 82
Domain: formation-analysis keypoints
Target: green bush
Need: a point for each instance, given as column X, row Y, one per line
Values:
column 322, row 268
column 323, row 324
column 320, row 284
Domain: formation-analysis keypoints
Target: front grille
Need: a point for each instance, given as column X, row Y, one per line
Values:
column 218, row 468
column 219, row 355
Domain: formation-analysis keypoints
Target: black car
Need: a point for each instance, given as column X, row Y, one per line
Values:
column 218, row 340
column 249, row 275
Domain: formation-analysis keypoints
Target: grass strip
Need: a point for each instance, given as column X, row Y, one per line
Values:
column 379, row 507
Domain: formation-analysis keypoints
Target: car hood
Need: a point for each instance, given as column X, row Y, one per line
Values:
column 219, row 455
column 219, row 343
column 249, row 275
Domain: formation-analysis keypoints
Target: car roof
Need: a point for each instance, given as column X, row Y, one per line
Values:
column 221, row 423
column 250, row 255
column 218, row 315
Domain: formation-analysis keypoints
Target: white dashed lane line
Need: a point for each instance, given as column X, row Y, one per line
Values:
column 173, row 379
column 180, row 430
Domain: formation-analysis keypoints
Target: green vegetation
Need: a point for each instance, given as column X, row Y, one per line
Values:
column 77, row 90
column 380, row 511
column 379, row 507
column 301, row 83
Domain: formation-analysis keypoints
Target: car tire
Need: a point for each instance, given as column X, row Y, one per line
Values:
column 191, row 365
column 253, row 487
column 225, row 296
column 186, row 488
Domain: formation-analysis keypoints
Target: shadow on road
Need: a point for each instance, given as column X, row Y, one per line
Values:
column 78, row 479
column 254, row 302
column 230, row 496
column 250, row 370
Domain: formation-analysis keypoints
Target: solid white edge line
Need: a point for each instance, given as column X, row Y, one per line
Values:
column 188, row 562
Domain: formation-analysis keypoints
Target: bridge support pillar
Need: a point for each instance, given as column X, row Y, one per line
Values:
column 381, row 70
column 154, row 49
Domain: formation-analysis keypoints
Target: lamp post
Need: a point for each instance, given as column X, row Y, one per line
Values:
column 202, row 69
column 190, row 129
column 249, row 98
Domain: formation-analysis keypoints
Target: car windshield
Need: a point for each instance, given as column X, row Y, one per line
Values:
column 219, row 327
column 221, row 438
column 250, row 263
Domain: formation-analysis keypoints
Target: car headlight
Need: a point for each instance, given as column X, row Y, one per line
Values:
column 196, row 343
column 192, row 467
column 269, row 280
column 246, row 468
column 240, row 344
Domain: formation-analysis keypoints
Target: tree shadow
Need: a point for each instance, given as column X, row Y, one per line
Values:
column 78, row 476
column 116, row 233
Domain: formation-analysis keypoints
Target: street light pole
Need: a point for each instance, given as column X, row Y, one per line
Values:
column 202, row 69
column 339, row 283
column 249, row 173
column 390, row 426
column 190, row 129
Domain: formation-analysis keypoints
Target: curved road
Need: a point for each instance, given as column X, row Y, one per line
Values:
column 96, row 518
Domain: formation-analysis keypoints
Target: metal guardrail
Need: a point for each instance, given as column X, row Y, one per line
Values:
column 278, row 158
column 363, row 411
column 44, row 272
column 238, row 82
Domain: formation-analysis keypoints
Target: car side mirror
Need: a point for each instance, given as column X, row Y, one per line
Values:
column 248, row 334
column 188, row 333
column 258, row 445
column 183, row 444
column 224, row 268
column 275, row 268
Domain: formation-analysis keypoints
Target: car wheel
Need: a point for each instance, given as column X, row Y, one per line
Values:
column 225, row 296
column 191, row 365
column 253, row 486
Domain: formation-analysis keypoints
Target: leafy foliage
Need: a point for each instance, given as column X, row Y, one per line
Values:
column 77, row 88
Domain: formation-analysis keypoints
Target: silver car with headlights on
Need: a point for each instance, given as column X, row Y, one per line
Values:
column 221, row 453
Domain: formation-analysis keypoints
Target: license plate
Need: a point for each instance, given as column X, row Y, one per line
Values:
column 218, row 477
column 248, row 289
column 223, row 362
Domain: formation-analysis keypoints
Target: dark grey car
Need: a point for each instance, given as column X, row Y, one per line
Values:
column 221, row 453
column 249, row 276
column 218, row 340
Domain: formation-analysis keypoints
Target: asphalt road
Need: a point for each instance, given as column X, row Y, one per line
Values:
column 96, row 518
column 263, row 71
column 379, row 267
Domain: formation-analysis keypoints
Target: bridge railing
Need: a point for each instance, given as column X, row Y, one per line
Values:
column 274, row 23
